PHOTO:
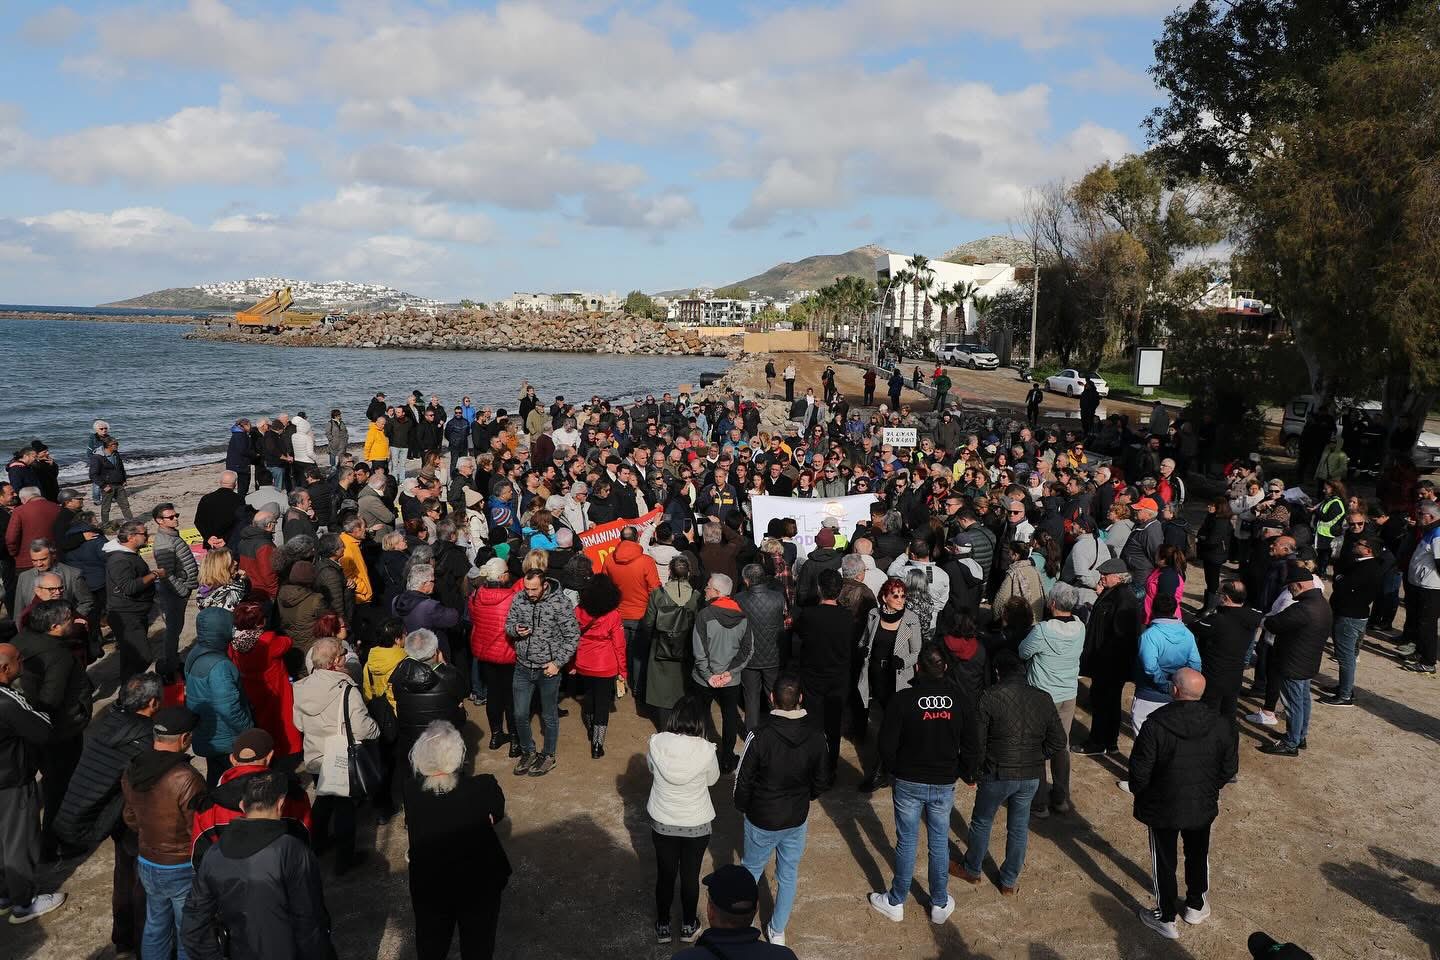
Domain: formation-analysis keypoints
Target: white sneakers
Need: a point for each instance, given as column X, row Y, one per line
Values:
column 939, row 915
column 1123, row 785
column 1193, row 916
column 41, row 905
column 778, row 939
column 1263, row 719
column 880, row 903
column 1151, row 919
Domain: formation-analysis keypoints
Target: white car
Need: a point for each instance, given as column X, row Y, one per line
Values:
column 1072, row 383
column 969, row 355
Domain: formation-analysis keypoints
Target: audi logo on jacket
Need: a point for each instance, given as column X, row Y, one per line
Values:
column 929, row 734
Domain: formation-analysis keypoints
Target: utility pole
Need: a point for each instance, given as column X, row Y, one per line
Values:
column 1034, row 299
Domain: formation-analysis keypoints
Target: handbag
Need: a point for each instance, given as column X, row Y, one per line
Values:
column 383, row 714
column 366, row 771
column 347, row 768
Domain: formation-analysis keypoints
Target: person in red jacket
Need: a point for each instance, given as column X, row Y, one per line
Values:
column 34, row 519
column 255, row 550
column 259, row 655
column 600, row 657
column 251, row 754
column 636, row 576
column 494, row 655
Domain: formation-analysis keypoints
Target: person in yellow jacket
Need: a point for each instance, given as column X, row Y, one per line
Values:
column 351, row 561
column 384, row 657
column 377, row 445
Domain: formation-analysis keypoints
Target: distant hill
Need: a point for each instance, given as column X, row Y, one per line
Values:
column 992, row 249
column 228, row 295
column 812, row 273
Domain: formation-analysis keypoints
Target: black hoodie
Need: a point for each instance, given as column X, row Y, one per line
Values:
column 929, row 733
column 261, row 884
column 1182, row 756
column 782, row 768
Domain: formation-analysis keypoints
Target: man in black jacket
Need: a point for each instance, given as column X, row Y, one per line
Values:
column 927, row 742
column 129, row 595
column 1223, row 639
column 1357, row 586
column 93, row 801
column 1018, row 729
column 782, row 769
column 1183, row 755
column 261, row 885
column 1112, row 638
column 763, row 603
column 827, row 641
column 24, row 732
column 221, row 513
column 426, row 688
column 1300, row 633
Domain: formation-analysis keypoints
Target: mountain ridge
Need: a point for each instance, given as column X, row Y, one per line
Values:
column 228, row 295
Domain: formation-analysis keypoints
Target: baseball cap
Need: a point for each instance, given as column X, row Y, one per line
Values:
column 68, row 495
column 252, row 745
column 732, row 889
column 831, row 522
column 1147, row 503
column 1298, row 574
column 173, row 721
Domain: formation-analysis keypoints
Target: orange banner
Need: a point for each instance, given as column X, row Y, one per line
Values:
column 600, row 541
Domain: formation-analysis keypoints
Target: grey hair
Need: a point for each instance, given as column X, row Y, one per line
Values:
column 228, row 478
column 325, row 652
column 852, row 567
column 264, row 516
column 28, row 493
column 139, row 691
column 329, row 545
column 419, row 575
column 40, row 544
column 377, row 480
column 722, row 584
column 1063, row 597
column 98, row 424
column 915, row 580
column 129, row 529
column 446, row 529
column 564, row 538
column 436, row 757
column 421, row 644
column 893, row 522
column 753, row 573
column 296, row 496
column 353, row 523
column 465, row 462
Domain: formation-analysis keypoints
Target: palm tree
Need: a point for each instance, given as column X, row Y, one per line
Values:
column 902, row 279
column 944, row 298
column 983, row 305
column 921, row 276
column 963, row 291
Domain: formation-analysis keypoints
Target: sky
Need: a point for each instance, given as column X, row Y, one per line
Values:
column 459, row 150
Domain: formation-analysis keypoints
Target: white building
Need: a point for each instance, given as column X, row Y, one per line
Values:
column 573, row 301
column 907, row 311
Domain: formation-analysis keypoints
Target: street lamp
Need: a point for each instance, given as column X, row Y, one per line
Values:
column 875, row 326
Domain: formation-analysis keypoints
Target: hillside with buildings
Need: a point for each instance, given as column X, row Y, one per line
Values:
column 226, row 295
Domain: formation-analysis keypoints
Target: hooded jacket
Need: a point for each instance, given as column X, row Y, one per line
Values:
column 212, row 685
column 601, row 648
column 489, row 606
column 160, row 788
column 684, row 769
column 299, row 606
column 721, row 641
column 261, row 884
column 54, row 682
column 93, row 801
column 255, row 551
column 220, row 806
column 554, row 633
column 1165, row 646
column 1182, row 756
column 424, row 693
column 782, row 768
column 1051, row 652
column 422, row 610
column 635, row 573
column 807, row 582
column 377, row 445
column 317, row 712
column 928, row 735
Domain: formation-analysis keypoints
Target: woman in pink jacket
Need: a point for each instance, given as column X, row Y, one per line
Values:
column 600, row 657
column 1168, row 577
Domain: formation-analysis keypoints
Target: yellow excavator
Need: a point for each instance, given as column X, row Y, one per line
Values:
column 273, row 314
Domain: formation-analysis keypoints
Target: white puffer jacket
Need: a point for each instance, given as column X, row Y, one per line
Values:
column 684, row 769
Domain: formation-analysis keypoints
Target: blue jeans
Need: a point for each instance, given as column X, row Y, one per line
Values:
column 935, row 801
column 527, row 681
column 277, row 477
column 1296, row 694
column 1349, row 632
column 397, row 463
column 166, row 888
column 1015, row 795
column 788, row 847
column 477, row 680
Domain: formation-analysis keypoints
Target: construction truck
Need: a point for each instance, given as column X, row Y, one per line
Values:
column 273, row 315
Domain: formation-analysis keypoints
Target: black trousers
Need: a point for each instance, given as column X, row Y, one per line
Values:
column 825, row 708
column 678, row 858
column 730, row 727
column 57, row 764
column 498, row 695
column 341, row 833
column 1422, row 612
column 599, row 693
column 1163, row 863
column 436, row 918
column 790, row 390
column 127, row 896
column 1105, row 690
column 132, row 642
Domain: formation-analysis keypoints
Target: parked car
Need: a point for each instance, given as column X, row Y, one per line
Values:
column 1071, row 382
column 969, row 355
column 1363, row 416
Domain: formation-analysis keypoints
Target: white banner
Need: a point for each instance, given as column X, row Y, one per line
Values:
column 899, row 436
column 807, row 514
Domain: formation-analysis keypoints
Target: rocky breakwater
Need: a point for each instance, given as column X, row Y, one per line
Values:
column 480, row 330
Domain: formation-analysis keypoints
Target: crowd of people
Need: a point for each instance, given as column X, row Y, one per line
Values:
column 344, row 614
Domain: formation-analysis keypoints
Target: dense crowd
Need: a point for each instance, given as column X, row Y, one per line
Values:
column 345, row 612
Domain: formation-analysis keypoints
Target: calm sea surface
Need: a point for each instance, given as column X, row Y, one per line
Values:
column 171, row 401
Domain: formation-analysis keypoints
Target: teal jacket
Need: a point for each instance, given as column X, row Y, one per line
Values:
column 212, row 685
column 1165, row 646
column 1051, row 651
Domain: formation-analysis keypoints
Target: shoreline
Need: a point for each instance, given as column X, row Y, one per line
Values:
column 174, row 319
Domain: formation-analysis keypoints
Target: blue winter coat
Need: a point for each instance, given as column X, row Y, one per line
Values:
column 212, row 685
column 237, row 453
column 1165, row 647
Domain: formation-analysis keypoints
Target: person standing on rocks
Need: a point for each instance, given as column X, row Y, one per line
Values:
column 790, row 382
column 769, row 376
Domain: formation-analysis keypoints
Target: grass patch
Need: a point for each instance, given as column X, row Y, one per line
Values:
column 1121, row 379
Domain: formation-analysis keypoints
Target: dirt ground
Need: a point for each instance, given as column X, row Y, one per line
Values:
column 1336, row 850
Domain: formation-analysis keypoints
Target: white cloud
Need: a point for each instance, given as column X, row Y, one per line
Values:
column 1105, row 75
column 53, row 27
column 360, row 207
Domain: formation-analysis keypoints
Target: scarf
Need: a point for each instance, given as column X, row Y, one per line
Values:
column 891, row 619
column 244, row 640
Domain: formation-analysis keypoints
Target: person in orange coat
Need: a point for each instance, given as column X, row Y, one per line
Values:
column 600, row 656
column 494, row 654
column 636, row 576
column 259, row 654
